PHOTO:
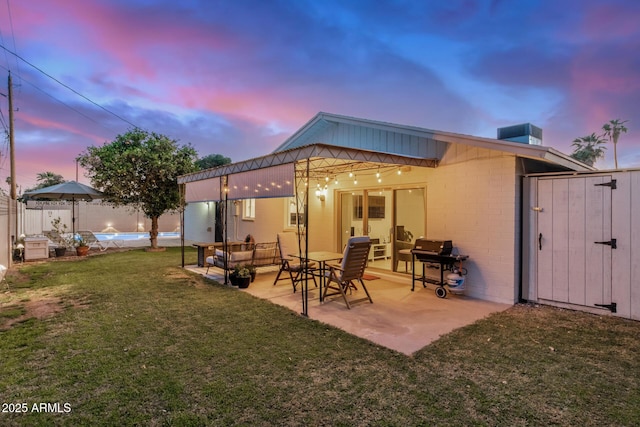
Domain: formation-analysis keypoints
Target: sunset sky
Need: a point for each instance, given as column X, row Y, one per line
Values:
column 238, row 77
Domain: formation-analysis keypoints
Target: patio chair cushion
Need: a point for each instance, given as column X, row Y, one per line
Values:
column 235, row 258
column 264, row 254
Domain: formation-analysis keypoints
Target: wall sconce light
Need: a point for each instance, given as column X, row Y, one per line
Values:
column 321, row 194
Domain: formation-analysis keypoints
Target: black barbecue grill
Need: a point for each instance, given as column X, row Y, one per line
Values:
column 432, row 247
column 434, row 252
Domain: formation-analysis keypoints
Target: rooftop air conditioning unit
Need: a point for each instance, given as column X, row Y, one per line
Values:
column 525, row 133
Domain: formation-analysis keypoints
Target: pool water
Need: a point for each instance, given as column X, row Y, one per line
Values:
column 135, row 236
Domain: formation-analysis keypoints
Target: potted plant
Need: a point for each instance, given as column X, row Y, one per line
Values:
column 82, row 248
column 61, row 237
column 252, row 271
column 241, row 276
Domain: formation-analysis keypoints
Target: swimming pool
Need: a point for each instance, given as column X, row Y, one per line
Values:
column 135, row 236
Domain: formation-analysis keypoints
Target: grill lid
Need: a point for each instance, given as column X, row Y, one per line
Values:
column 436, row 247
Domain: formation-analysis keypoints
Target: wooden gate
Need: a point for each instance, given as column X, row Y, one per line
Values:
column 574, row 242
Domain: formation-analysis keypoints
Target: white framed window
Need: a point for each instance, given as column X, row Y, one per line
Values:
column 292, row 216
column 249, row 209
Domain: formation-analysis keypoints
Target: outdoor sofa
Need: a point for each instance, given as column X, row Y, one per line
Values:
column 256, row 254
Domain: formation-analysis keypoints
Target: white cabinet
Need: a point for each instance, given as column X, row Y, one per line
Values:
column 378, row 251
column 36, row 248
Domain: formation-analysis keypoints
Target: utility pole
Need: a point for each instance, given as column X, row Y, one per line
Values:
column 12, row 191
column 11, row 142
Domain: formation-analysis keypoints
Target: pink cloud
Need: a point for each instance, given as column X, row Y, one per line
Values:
column 45, row 124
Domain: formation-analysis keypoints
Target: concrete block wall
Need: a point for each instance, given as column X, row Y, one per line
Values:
column 472, row 200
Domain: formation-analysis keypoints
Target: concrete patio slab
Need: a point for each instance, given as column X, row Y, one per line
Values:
column 398, row 319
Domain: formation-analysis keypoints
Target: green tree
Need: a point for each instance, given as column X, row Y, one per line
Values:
column 140, row 169
column 211, row 161
column 612, row 130
column 588, row 148
column 43, row 179
column 47, row 179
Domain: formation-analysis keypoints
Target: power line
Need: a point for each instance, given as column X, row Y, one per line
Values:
column 69, row 88
column 13, row 34
column 62, row 102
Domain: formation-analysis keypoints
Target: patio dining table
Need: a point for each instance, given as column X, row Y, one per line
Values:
column 321, row 257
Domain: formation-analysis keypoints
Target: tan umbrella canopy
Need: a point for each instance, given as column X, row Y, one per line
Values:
column 70, row 190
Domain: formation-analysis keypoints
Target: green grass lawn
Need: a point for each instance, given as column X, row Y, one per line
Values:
column 132, row 339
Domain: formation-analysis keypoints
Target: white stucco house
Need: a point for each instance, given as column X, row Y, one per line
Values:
column 348, row 176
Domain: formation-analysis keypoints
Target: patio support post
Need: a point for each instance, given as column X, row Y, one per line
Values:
column 305, row 230
column 225, row 233
column 181, row 189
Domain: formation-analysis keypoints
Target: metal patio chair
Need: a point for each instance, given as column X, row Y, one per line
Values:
column 352, row 268
column 293, row 267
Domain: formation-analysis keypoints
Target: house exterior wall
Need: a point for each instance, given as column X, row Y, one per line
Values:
column 472, row 200
column 271, row 220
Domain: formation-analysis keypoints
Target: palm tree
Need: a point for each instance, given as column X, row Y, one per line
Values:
column 47, row 179
column 588, row 148
column 612, row 130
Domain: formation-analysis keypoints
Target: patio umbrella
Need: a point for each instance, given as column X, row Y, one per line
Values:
column 70, row 190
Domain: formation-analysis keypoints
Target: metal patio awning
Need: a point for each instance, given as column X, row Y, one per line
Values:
column 274, row 175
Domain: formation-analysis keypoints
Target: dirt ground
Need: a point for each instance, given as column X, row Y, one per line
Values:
column 14, row 309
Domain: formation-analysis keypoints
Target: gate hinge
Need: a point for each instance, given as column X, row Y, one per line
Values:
column 612, row 243
column 611, row 184
column 612, row 307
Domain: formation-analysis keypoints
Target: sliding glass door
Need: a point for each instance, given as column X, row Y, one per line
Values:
column 368, row 213
column 410, row 221
column 393, row 219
